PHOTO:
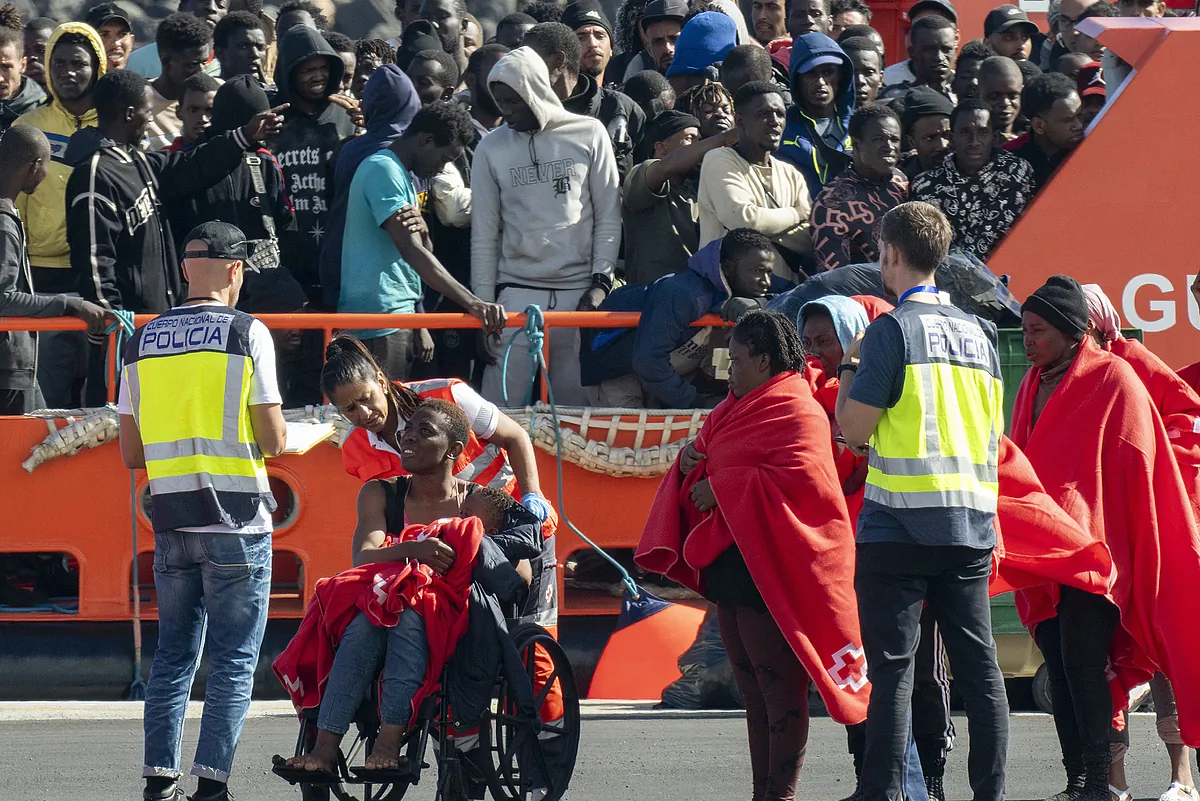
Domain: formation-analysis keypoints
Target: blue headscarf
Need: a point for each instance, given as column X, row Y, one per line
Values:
column 389, row 102
column 849, row 317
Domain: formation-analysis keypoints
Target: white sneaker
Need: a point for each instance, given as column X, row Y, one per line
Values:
column 1179, row 792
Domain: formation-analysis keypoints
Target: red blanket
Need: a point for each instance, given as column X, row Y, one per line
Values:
column 382, row 591
column 1038, row 545
column 1102, row 453
column 1177, row 404
column 771, row 470
column 1191, row 375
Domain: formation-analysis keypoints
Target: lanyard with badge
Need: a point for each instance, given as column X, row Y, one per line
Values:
column 916, row 290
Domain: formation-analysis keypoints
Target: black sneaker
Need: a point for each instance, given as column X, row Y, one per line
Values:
column 172, row 792
column 223, row 795
column 933, row 786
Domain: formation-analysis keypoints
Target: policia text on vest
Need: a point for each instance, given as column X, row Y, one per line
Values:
column 188, row 375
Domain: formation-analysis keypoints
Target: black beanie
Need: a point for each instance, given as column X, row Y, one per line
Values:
column 923, row 101
column 1060, row 302
column 418, row 37
column 585, row 12
column 662, row 125
column 237, row 102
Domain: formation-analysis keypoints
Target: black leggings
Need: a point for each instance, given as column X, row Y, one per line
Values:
column 775, row 686
column 1075, row 645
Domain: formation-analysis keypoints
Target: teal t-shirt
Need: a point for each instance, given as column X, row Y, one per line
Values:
column 375, row 279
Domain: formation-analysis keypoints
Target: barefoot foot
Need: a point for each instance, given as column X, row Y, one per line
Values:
column 323, row 756
column 386, row 752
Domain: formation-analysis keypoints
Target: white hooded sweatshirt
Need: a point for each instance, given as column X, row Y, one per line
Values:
column 546, row 206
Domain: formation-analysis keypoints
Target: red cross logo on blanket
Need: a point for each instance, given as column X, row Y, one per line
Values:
column 849, row 670
column 295, row 687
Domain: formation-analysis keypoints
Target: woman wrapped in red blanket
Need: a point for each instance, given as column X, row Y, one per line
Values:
column 403, row 607
column 758, row 524
column 1179, row 406
column 1090, row 429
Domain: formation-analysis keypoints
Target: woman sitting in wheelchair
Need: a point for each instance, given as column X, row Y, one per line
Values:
column 403, row 607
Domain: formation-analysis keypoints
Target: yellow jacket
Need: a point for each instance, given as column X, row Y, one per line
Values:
column 45, row 211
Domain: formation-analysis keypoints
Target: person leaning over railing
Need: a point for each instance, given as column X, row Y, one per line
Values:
column 666, row 361
column 498, row 453
column 24, row 154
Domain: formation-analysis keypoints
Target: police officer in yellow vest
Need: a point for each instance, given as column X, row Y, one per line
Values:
column 200, row 408
column 926, row 398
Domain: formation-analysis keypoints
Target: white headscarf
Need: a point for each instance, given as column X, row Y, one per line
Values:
column 1102, row 314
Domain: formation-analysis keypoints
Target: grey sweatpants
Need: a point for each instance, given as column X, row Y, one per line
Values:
column 564, row 350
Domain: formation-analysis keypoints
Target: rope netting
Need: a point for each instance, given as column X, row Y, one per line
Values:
column 591, row 437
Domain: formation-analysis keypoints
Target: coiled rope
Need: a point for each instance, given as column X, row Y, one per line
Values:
column 535, row 336
column 123, row 327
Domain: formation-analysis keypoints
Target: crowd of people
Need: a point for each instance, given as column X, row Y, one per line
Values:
column 561, row 160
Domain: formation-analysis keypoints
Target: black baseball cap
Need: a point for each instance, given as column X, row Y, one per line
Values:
column 658, row 10
column 942, row 7
column 1001, row 18
column 221, row 241
column 105, row 13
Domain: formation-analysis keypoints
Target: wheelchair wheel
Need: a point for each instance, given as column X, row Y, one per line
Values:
column 526, row 754
column 346, row 790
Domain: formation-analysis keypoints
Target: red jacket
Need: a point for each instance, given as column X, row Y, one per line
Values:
column 382, row 591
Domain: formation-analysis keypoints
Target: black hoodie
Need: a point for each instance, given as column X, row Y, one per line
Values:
column 235, row 200
column 123, row 253
column 621, row 117
column 304, row 149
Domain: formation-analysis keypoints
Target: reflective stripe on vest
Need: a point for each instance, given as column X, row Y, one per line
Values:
column 480, row 463
column 188, row 373
column 938, row 445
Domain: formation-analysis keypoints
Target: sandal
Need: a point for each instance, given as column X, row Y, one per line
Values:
column 1120, row 795
column 294, row 775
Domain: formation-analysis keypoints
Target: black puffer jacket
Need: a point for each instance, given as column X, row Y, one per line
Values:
column 621, row 117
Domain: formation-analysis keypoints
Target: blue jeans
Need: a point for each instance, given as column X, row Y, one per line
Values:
column 224, row 581
column 402, row 652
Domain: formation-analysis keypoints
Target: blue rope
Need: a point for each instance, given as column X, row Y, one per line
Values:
column 535, row 334
column 123, row 327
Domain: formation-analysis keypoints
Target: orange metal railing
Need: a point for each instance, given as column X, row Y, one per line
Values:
column 328, row 323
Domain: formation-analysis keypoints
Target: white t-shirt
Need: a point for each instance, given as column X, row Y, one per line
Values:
column 483, row 414
column 264, row 390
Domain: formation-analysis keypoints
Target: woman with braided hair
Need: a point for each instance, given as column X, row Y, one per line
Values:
column 498, row 453
column 753, row 518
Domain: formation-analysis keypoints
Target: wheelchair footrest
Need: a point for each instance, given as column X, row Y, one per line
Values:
column 300, row 775
column 402, row 773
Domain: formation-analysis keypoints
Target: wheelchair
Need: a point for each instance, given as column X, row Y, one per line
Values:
column 515, row 755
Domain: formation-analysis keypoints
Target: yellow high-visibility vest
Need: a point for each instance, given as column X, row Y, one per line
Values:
column 188, row 372
column 938, row 446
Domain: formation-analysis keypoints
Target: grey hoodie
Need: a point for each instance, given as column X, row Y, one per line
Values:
column 546, row 206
